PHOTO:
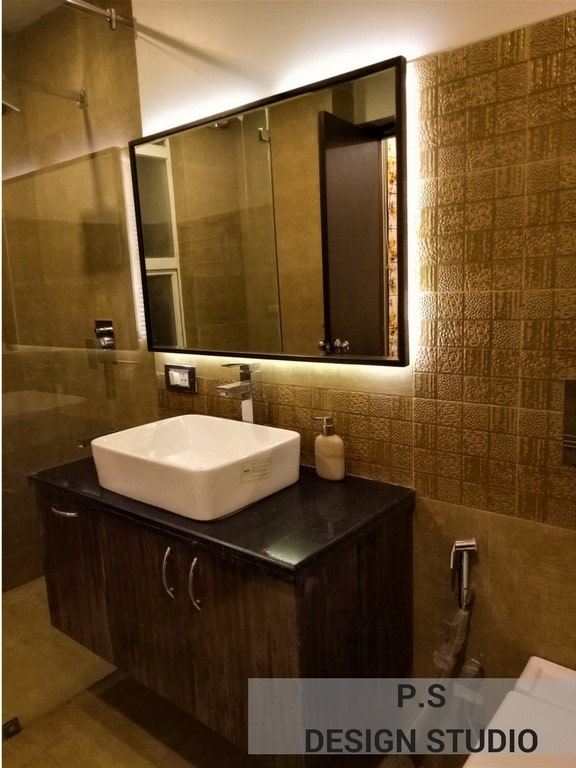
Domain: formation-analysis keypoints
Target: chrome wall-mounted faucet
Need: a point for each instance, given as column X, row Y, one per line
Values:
column 242, row 389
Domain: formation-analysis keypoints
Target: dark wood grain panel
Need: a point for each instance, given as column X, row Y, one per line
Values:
column 74, row 571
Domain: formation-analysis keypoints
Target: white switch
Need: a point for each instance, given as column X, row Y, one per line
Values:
column 179, row 379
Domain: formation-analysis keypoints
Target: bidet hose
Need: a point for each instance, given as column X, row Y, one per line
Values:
column 446, row 656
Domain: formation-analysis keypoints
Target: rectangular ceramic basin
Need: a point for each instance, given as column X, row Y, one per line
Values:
column 201, row 467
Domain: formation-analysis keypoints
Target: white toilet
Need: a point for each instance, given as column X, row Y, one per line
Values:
column 531, row 702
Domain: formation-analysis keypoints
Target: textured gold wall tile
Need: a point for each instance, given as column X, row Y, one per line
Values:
column 531, row 506
column 503, row 391
column 477, row 333
column 480, row 122
column 401, row 456
column 509, row 181
column 450, row 415
column 425, row 461
column 568, row 172
column 567, row 205
column 545, row 72
column 564, row 335
column 509, row 213
column 563, row 364
column 428, row 222
column 506, row 334
column 532, row 423
column 450, row 360
column 570, row 65
column 452, row 189
column 542, row 176
column 450, row 277
column 503, row 420
column 509, row 243
column 503, row 448
column 477, row 362
column 424, row 385
column 547, row 141
column 538, row 273
column 425, row 359
column 566, row 239
column 449, row 489
column 426, row 70
column 535, row 363
column 449, row 464
column 477, row 389
column 510, row 120
column 475, row 495
column 379, row 406
column 544, row 107
column 564, row 272
column 510, row 148
column 480, row 185
column 547, row 36
column 513, row 47
column 451, row 249
column 476, row 416
column 451, row 160
column 560, row 512
column 452, row 96
column 427, row 276
column 425, row 484
column 482, row 57
column 452, row 128
column 425, row 436
column 358, row 449
column 505, row 363
column 502, row 500
column 450, row 306
column 475, row 469
column 475, row 442
column 537, row 304
column 507, row 274
column 401, row 432
column 428, row 102
column 481, row 89
column 339, row 400
column 512, row 82
column 449, row 387
column 479, row 246
column 478, row 303
column 360, row 426
column 452, row 65
column 448, row 438
column 481, row 153
column 425, row 410
column 359, row 402
column 503, row 473
column 507, row 305
column 379, row 429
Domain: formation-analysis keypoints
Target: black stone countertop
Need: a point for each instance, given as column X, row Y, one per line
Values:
column 280, row 533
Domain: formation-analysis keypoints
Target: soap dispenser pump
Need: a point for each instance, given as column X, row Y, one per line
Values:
column 329, row 451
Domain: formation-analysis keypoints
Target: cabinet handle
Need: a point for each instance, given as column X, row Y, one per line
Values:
column 195, row 602
column 169, row 590
column 63, row 513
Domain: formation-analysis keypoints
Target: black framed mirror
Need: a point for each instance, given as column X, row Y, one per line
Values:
column 278, row 230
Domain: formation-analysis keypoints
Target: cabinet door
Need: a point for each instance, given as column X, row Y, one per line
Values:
column 195, row 627
column 153, row 639
column 74, row 570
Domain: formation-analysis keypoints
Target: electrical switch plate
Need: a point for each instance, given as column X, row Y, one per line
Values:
column 180, row 378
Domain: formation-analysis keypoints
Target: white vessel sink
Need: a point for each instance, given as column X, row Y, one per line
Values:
column 201, row 467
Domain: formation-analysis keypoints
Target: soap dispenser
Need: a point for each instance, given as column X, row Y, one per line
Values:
column 329, row 451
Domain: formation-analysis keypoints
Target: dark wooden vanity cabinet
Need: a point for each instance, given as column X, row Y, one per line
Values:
column 74, row 570
column 314, row 581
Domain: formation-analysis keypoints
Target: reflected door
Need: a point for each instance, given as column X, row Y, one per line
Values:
column 353, row 225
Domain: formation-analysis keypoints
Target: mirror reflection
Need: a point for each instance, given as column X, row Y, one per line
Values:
column 277, row 230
